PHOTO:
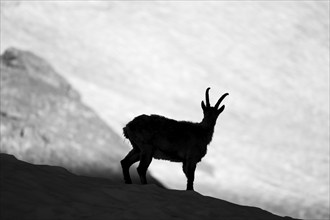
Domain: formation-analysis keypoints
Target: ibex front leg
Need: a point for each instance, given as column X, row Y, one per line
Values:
column 189, row 167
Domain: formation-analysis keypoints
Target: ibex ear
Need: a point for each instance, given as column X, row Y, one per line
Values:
column 221, row 109
column 203, row 105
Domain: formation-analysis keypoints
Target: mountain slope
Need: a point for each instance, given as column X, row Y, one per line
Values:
column 43, row 120
column 46, row 192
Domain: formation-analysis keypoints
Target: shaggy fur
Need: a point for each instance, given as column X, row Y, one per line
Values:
column 158, row 137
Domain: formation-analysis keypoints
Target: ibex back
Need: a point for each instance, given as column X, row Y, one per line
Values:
column 158, row 137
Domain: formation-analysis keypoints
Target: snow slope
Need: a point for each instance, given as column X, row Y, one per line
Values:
column 43, row 121
column 46, row 192
column 271, row 145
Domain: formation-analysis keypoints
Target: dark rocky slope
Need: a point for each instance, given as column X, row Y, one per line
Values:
column 47, row 192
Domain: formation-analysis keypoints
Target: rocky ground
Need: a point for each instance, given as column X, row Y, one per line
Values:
column 48, row 192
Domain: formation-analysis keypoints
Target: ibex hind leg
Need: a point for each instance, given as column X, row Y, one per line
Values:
column 145, row 160
column 132, row 157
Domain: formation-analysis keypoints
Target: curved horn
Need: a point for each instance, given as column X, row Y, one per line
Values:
column 220, row 100
column 207, row 97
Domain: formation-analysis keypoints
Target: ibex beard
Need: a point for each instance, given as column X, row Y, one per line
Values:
column 158, row 137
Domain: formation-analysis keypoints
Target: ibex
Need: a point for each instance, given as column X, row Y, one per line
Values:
column 158, row 137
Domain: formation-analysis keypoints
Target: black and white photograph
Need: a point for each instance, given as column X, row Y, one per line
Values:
column 154, row 109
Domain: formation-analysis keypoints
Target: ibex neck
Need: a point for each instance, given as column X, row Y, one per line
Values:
column 208, row 123
column 208, row 129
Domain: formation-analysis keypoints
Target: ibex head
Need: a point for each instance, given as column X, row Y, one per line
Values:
column 211, row 113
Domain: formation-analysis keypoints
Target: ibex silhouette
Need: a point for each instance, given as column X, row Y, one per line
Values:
column 158, row 137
